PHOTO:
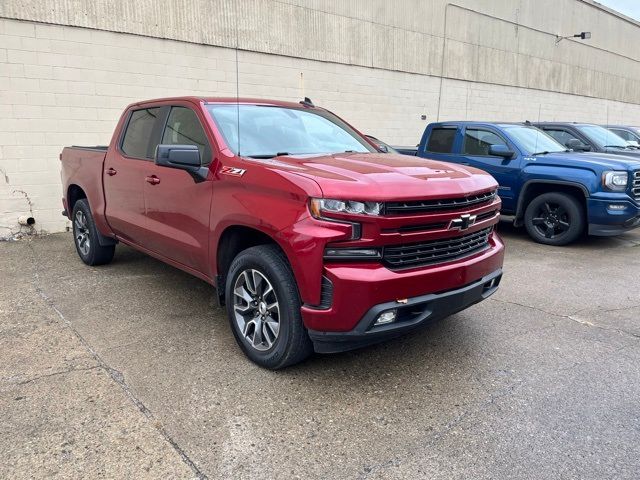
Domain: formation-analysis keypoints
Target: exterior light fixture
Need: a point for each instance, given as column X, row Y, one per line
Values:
column 581, row 36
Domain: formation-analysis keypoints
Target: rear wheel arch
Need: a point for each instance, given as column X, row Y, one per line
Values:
column 74, row 193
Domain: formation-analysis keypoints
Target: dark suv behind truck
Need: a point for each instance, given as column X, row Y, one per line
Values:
column 587, row 137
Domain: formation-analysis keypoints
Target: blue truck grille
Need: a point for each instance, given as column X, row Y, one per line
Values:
column 424, row 206
column 436, row 251
column 635, row 185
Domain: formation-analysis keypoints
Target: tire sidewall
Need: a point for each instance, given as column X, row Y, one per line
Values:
column 289, row 307
column 574, row 211
column 83, row 206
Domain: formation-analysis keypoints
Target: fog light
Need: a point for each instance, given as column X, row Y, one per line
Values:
column 386, row 317
column 614, row 206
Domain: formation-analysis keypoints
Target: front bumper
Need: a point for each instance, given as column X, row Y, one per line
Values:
column 359, row 288
column 605, row 221
column 416, row 312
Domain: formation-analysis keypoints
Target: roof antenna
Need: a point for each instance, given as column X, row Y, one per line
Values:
column 527, row 122
column 307, row 102
column 237, row 84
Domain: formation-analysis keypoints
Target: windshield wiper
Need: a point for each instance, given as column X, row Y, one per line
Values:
column 614, row 146
column 269, row 155
column 540, row 153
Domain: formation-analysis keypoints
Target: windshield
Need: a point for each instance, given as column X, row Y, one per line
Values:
column 263, row 131
column 531, row 140
column 601, row 136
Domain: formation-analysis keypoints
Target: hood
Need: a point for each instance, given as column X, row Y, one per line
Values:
column 385, row 177
column 623, row 151
column 593, row 161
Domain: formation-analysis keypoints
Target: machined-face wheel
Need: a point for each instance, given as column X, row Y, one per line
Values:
column 551, row 220
column 256, row 309
column 81, row 232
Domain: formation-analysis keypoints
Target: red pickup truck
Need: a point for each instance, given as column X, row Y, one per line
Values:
column 313, row 238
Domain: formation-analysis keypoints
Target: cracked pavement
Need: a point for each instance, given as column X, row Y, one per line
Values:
column 131, row 371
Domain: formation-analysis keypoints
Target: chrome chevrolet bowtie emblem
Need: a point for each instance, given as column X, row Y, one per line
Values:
column 462, row 223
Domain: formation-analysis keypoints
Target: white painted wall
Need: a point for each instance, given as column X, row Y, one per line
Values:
column 63, row 85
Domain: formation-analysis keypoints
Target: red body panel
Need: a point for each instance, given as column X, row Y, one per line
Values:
column 164, row 213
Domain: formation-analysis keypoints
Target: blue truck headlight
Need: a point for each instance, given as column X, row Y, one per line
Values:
column 616, row 181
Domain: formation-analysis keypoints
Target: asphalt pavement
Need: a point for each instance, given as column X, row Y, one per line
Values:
column 130, row 371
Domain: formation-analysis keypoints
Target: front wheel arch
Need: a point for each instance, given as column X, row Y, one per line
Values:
column 535, row 188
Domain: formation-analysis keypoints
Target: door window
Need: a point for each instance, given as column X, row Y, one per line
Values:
column 135, row 142
column 477, row 142
column 441, row 140
column 184, row 128
column 628, row 136
column 562, row 136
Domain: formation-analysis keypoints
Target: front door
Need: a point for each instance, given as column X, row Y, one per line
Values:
column 506, row 171
column 177, row 206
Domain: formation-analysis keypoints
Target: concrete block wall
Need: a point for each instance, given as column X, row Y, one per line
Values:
column 63, row 85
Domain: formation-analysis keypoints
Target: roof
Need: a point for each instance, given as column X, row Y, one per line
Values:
column 240, row 100
column 477, row 123
column 563, row 123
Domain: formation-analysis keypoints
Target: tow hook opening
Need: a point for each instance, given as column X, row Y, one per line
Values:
column 491, row 286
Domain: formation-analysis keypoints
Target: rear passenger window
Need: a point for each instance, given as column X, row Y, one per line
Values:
column 477, row 142
column 184, row 128
column 138, row 134
column 441, row 140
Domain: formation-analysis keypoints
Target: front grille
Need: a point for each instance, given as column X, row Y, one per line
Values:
column 435, row 251
column 635, row 185
column 436, row 226
column 422, row 206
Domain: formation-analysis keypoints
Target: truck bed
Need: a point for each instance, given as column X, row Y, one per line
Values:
column 84, row 166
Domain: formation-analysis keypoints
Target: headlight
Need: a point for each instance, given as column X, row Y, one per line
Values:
column 615, row 180
column 320, row 205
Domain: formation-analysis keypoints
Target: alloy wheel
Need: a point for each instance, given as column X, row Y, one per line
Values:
column 256, row 309
column 81, row 232
column 551, row 220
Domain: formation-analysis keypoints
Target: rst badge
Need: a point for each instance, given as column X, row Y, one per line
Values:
column 236, row 172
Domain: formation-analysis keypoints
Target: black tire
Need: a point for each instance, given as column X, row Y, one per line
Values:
column 85, row 236
column 555, row 219
column 247, row 275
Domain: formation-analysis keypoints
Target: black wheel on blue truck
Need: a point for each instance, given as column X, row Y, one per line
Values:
column 555, row 218
column 86, row 238
column 263, row 306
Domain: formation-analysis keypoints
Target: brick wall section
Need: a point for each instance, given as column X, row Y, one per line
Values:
column 67, row 85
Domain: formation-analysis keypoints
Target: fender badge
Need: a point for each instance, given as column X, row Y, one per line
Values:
column 236, row 172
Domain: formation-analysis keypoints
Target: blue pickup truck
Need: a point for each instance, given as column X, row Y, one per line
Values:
column 556, row 193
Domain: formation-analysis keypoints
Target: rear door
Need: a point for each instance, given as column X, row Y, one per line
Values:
column 124, row 170
column 177, row 205
column 475, row 151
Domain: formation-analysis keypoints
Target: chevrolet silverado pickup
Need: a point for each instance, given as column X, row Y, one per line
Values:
column 556, row 193
column 313, row 238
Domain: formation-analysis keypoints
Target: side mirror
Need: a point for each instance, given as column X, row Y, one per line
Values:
column 501, row 151
column 577, row 145
column 182, row 157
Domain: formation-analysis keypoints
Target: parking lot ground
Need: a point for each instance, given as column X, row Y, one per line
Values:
column 130, row 371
